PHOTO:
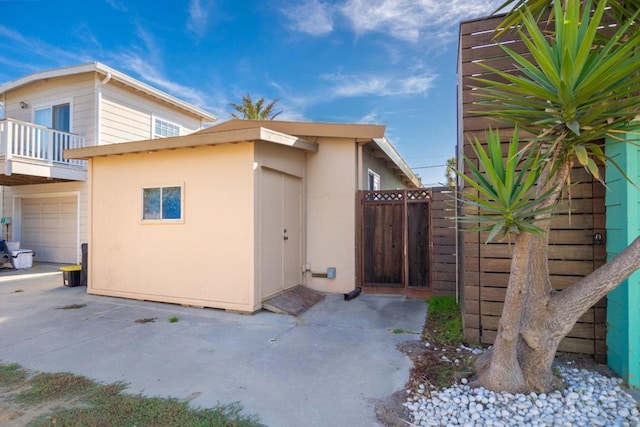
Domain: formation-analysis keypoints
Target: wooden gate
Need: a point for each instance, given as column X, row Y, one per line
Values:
column 394, row 253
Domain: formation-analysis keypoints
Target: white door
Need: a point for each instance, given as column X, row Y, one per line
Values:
column 281, row 230
column 50, row 228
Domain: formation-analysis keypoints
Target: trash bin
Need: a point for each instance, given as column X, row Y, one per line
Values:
column 71, row 275
column 23, row 258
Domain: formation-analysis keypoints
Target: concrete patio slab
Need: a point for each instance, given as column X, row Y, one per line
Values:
column 324, row 367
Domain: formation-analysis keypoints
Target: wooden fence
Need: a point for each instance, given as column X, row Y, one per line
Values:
column 574, row 249
column 407, row 242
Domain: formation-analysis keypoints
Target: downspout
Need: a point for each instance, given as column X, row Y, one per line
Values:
column 359, row 164
column 306, row 268
column 358, row 225
column 98, row 108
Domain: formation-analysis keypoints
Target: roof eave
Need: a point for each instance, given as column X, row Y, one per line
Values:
column 389, row 150
column 191, row 141
column 357, row 131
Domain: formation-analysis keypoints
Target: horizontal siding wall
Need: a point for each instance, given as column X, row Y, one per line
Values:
column 77, row 89
column 572, row 254
column 388, row 179
column 127, row 116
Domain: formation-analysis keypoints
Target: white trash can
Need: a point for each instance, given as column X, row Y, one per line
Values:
column 23, row 258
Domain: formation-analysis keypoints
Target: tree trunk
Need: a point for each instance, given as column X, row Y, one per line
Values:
column 528, row 292
column 502, row 371
column 544, row 321
column 561, row 313
column 535, row 317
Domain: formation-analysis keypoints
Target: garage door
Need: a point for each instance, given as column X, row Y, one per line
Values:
column 50, row 227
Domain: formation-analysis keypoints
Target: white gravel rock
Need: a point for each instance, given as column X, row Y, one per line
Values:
column 588, row 399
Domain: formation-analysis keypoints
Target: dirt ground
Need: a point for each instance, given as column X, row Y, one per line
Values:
column 13, row 414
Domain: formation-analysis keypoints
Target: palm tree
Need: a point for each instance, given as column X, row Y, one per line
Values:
column 258, row 111
column 450, row 173
column 575, row 89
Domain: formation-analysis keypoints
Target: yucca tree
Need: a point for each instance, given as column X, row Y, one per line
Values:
column 618, row 11
column 573, row 91
column 255, row 111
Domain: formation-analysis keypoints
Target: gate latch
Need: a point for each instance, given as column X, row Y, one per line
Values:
column 597, row 238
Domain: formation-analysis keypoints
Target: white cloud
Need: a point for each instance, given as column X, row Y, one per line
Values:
column 372, row 117
column 11, row 40
column 343, row 85
column 198, row 17
column 117, row 5
column 152, row 50
column 155, row 77
column 83, row 32
column 311, row 17
column 409, row 19
column 291, row 113
column 15, row 36
column 147, row 62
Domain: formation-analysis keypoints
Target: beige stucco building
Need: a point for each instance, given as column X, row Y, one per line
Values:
column 235, row 213
column 45, row 196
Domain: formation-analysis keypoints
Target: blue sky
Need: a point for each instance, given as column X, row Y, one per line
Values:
column 390, row 62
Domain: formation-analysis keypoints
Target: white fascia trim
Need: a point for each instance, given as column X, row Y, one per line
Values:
column 386, row 146
column 289, row 140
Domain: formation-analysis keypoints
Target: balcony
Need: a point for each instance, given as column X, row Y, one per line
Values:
column 33, row 154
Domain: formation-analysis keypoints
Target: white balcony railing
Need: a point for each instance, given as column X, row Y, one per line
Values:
column 30, row 142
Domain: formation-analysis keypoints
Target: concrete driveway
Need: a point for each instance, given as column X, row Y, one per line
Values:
column 323, row 368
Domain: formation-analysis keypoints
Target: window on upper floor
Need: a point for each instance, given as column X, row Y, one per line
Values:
column 54, row 116
column 162, row 203
column 374, row 181
column 164, row 128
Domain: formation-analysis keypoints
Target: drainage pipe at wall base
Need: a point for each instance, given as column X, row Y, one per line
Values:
column 351, row 295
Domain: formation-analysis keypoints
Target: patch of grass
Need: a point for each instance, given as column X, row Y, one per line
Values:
column 59, row 386
column 71, row 307
column 444, row 321
column 401, row 331
column 111, row 407
column 11, row 374
column 173, row 319
column 438, row 361
column 91, row 404
column 146, row 320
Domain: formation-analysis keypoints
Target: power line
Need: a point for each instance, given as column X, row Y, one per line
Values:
column 429, row 167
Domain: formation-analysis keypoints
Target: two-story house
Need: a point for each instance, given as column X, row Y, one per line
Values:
column 45, row 196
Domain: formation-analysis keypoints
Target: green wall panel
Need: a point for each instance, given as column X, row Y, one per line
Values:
column 623, row 226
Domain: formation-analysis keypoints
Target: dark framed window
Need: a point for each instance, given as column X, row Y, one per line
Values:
column 162, row 203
